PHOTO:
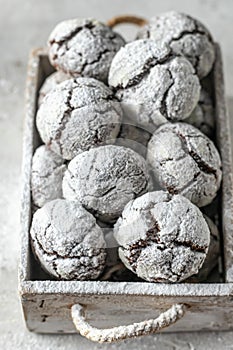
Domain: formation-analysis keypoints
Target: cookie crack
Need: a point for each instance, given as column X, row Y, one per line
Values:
column 95, row 251
column 64, row 120
column 143, row 189
column 189, row 244
column 203, row 32
column 98, row 58
column 136, row 248
column 189, row 183
column 202, row 165
column 72, row 34
column 148, row 65
column 163, row 107
column 196, row 30
column 108, row 191
column 66, row 38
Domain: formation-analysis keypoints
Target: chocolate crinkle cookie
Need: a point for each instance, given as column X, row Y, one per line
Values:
column 67, row 241
column 83, row 47
column 186, row 36
column 162, row 238
column 50, row 83
column 77, row 115
column 152, row 84
column 105, row 179
column 203, row 116
column 46, row 176
column 185, row 161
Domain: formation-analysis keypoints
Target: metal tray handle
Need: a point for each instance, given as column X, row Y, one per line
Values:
column 109, row 335
column 139, row 21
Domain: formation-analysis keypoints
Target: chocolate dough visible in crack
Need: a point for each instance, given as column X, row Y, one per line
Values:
column 199, row 50
column 93, row 43
column 144, row 86
column 136, row 248
column 191, row 245
column 79, row 261
column 73, row 101
column 72, row 34
column 202, row 165
column 163, row 108
column 63, row 122
column 191, row 167
column 67, row 38
column 196, row 30
column 145, row 70
column 97, row 253
column 98, row 58
column 159, row 237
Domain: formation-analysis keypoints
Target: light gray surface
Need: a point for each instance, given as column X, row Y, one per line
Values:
column 26, row 24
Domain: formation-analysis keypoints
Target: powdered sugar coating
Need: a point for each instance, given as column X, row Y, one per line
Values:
column 203, row 116
column 50, row 83
column 185, row 161
column 162, row 238
column 78, row 114
column 67, row 241
column 105, row 179
column 83, row 47
column 212, row 256
column 46, row 176
column 186, row 36
column 152, row 84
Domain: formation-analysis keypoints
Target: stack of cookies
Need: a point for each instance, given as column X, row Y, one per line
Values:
column 128, row 160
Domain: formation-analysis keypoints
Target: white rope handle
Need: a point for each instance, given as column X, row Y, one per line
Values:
column 109, row 335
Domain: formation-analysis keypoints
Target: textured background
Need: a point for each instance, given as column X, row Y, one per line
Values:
column 24, row 25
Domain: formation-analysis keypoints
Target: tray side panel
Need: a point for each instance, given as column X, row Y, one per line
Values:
column 225, row 146
column 52, row 313
column 28, row 139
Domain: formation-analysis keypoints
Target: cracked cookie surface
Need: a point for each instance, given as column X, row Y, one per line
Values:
column 67, row 241
column 105, row 179
column 152, row 84
column 185, row 161
column 46, row 176
column 186, row 36
column 77, row 115
column 83, row 47
column 162, row 238
column 50, row 83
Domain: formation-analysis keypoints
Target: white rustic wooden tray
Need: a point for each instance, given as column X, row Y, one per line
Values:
column 49, row 306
